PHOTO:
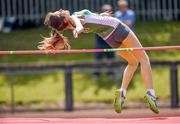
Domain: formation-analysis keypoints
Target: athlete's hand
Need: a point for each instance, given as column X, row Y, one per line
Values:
column 75, row 33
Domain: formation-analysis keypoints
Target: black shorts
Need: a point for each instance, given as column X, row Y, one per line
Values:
column 118, row 35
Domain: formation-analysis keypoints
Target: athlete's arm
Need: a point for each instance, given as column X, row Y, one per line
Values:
column 78, row 26
column 84, row 12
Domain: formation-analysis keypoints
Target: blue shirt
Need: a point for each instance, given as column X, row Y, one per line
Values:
column 128, row 15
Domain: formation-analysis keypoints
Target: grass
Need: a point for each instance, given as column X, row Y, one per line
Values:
column 50, row 87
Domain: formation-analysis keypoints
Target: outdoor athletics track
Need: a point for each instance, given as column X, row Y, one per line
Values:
column 129, row 116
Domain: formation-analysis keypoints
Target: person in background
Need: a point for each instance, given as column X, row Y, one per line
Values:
column 100, row 44
column 125, row 14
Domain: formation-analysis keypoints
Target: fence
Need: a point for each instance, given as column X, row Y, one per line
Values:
column 68, row 69
column 36, row 9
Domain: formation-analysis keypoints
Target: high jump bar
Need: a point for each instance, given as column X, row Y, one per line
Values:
column 29, row 52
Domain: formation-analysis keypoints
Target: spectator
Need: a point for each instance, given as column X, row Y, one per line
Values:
column 100, row 44
column 125, row 14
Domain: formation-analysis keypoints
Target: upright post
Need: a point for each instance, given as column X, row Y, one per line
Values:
column 174, row 85
column 68, row 89
column 12, row 92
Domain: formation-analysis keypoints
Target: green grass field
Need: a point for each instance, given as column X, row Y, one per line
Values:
column 50, row 87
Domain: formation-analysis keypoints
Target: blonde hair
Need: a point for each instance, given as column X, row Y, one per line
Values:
column 56, row 40
column 47, row 19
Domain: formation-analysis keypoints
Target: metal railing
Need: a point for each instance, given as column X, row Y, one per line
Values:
column 36, row 9
column 68, row 70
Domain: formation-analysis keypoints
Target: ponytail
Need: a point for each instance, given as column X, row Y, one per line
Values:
column 54, row 42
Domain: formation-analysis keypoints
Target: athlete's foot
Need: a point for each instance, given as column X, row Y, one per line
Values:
column 152, row 102
column 118, row 101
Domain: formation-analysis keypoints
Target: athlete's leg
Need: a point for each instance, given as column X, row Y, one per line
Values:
column 146, row 72
column 127, row 76
column 130, row 69
column 141, row 56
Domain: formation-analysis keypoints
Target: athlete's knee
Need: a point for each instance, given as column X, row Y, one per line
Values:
column 144, row 59
column 133, row 63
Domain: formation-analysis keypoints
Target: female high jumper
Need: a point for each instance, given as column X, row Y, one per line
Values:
column 115, row 33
